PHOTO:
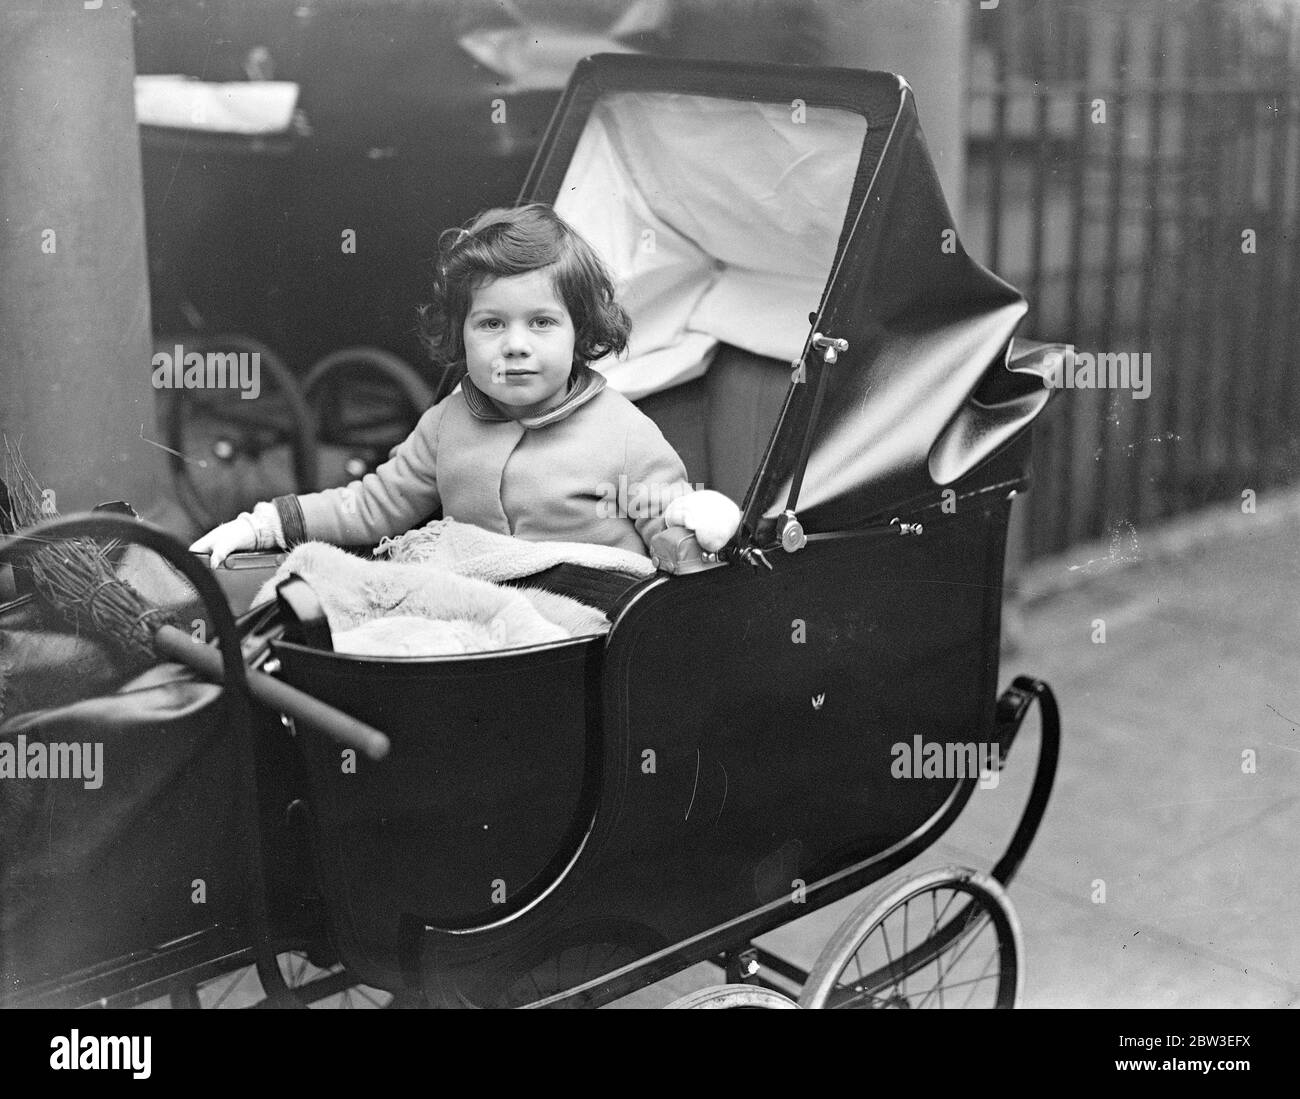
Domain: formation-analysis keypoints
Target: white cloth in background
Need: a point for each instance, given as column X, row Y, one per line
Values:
column 248, row 107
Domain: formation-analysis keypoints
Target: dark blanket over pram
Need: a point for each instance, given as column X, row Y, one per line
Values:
column 129, row 853
column 120, row 809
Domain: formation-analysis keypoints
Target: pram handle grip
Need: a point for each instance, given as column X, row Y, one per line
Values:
column 678, row 551
column 348, row 731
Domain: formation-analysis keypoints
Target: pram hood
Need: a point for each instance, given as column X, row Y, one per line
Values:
column 757, row 205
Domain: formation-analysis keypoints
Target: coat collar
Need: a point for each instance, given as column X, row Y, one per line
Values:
column 584, row 384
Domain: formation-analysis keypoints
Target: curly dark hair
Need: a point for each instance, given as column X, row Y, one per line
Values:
column 513, row 240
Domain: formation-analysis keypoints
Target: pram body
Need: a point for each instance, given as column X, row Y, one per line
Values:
column 724, row 754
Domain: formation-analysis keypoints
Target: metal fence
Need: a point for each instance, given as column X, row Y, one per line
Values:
column 1135, row 170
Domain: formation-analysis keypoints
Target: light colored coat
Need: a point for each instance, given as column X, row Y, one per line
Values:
column 600, row 472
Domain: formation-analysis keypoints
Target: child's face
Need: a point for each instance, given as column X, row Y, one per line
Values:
column 519, row 343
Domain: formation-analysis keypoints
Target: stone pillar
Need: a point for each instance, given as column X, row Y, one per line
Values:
column 925, row 41
column 74, row 294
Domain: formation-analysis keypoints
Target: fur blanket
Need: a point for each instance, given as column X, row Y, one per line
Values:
column 390, row 608
column 472, row 551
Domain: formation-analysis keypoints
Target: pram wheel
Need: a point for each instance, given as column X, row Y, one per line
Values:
column 948, row 938
column 365, row 401
column 227, row 452
column 577, row 956
column 731, row 997
column 315, row 987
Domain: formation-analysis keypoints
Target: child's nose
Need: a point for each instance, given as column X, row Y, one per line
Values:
column 516, row 341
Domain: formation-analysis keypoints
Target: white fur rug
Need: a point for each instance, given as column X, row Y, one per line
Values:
column 387, row 608
column 472, row 551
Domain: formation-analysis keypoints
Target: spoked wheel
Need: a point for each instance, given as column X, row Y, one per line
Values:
column 945, row 939
column 578, row 955
column 731, row 997
column 228, row 451
column 314, row 987
column 365, row 401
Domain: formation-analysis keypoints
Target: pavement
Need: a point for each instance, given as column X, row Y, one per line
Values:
column 1167, row 869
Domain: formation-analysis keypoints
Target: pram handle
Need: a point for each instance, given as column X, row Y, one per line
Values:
column 181, row 647
column 678, row 551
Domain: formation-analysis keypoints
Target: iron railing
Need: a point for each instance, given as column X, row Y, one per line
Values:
column 1136, row 171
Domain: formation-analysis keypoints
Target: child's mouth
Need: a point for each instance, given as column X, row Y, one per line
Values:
column 501, row 370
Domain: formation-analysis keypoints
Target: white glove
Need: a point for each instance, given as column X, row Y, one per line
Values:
column 712, row 516
column 238, row 534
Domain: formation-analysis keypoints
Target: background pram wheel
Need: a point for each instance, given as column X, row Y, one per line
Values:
column 233, row 451
column 577, row 956
column 364, row 401
column 315, row 987
column 948, row 938
column 723, row 997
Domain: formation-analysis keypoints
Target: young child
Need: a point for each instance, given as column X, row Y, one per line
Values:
column 534, row 443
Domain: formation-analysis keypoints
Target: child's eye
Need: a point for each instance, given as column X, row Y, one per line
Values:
column 489, row 322
column 546, row 321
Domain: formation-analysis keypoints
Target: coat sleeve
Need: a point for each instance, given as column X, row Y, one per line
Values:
column 650, row 461
column 395, row 497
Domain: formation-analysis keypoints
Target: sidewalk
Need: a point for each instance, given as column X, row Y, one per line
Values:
column 1200, row 861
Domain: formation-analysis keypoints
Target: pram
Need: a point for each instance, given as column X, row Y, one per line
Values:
column 566, row 823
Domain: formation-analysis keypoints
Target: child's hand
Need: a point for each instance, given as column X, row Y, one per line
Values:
column 226, row 539
column 712, row 516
